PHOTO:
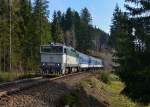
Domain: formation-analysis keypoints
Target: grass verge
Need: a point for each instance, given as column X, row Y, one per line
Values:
column 105, row 77
column 115, row 97
column 11, row 76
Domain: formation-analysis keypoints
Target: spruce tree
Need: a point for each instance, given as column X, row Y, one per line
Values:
column 69, row 19
column 77, row 24
column 140, row 21
column 56, row 29
column 4, row 35
column 41, row 28
column 130, row 39
column 85, row 42
column 26, row 25
column 69, row 28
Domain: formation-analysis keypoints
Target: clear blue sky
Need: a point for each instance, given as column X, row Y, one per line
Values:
column 101, row 10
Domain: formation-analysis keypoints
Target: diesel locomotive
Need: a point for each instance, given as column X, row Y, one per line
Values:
column 58, row 58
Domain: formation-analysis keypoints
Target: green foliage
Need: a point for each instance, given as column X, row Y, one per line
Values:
column 115, row 97
column 76, row 30
column 8, row 76
column 69, row 19
column 56, row 28
column 105, row 77
column 30, row 28
column 70, row 99
column 11, row 76
column 129, row 36
column 85, row 42
column 4, row 34
column 114, row 77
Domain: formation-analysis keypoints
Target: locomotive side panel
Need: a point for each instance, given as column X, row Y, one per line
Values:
column 71, row 58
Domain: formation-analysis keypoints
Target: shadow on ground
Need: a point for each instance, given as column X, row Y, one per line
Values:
column 52, row 94
column 138, row 93
column 80, row 99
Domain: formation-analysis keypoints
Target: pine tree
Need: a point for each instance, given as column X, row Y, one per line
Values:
column 122, row 41
column 69, row 19
column 69, row 28
column 30, row 28
column 41, row 13
column 41, row 28
column 140, row 21
column 86, row 16
column 115, row 25
column 17, row 35
column 4, row 35
column 26, row 25
column 129, row 36
column 53, row 29
column 85, row 42
column 56, row 29
column 77, row 24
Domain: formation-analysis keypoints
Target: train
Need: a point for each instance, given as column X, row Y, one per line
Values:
column 62, row 59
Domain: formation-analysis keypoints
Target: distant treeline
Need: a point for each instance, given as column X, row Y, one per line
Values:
column 130, row 39
column 27, row 21
column 76, row 30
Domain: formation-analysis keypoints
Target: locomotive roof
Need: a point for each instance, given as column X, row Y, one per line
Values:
column 54, row 45
column 58, row 44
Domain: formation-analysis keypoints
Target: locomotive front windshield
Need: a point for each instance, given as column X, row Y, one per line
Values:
column 52, row 49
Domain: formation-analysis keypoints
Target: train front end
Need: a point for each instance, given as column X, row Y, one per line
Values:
column 52, row 59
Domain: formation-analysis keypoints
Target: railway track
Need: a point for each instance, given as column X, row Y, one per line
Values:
column 20, row 85
column 43, row 94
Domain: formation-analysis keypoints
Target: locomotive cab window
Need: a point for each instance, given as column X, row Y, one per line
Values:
column 52, row 49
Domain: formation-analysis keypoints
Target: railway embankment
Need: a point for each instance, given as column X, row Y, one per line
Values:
column 82, row 90
column 89, row 93
column 98, row 91
column 44, row 94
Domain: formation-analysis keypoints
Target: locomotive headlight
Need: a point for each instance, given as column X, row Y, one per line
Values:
column 58, row 64
column 43, row 64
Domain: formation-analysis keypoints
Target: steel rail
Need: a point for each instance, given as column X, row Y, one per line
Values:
column 20, row 85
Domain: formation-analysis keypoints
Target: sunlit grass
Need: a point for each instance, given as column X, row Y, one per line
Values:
column 115, row 97
column 10, row 76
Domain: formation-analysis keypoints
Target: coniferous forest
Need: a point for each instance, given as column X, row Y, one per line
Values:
column 130, row 39
column 25, row 25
